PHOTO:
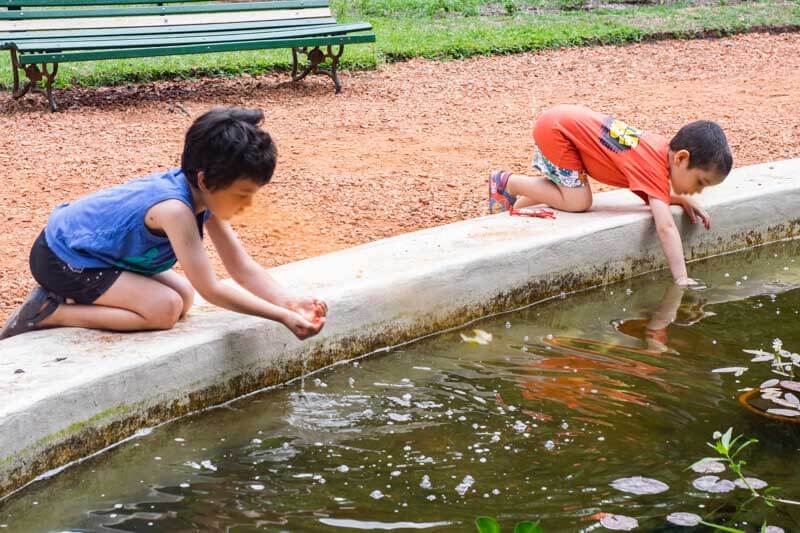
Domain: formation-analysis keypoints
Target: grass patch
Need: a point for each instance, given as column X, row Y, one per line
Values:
column 451, row 29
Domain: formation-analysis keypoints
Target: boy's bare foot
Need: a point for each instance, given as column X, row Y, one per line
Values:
column 39, row 305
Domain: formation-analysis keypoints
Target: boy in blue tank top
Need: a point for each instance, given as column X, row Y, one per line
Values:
column 105, row 260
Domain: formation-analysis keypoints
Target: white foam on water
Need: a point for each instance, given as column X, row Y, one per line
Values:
column 465, row 485
column 209, row 465
column 402, row 402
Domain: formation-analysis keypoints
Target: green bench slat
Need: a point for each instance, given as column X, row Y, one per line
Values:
column 29, row 35
column 198, row 38
column 128, row 53
column 64, row 3
column 162, row 10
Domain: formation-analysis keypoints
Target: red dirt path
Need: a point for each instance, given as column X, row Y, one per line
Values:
column 406, row 147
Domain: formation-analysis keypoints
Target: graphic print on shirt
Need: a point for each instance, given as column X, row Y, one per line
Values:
column 618, row 136
column 146, row 263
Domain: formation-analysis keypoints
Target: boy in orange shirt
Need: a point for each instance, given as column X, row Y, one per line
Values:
column 573, row 142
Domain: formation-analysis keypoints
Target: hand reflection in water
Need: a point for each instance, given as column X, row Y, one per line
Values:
column 653, row 330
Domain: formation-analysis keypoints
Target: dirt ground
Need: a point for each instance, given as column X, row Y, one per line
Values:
column 405, row 147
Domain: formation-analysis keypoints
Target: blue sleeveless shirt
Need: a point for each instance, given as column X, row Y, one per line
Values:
column 107, row 230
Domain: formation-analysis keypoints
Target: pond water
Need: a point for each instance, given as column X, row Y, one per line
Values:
column 566, row 398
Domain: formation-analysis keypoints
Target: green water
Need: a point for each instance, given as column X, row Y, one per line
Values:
column 569, row 396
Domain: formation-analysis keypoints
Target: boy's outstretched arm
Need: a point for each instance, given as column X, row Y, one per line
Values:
column 180, row 225
column 692, row 209
column 253, row 277
column 670, row 239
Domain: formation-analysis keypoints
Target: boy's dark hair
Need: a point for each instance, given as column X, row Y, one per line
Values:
column 227, row 144
column 707, row 146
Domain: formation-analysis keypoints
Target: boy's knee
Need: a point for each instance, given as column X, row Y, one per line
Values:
column 167, row 311
column 577, row 208
column 186, row 293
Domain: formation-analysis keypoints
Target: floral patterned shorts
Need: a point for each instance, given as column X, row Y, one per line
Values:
column 562, row 177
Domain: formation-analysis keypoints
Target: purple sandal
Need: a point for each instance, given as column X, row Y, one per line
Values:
column 499, row 199
column 39, row 305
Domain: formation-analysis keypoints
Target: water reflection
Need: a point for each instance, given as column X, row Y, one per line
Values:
column 678, row 306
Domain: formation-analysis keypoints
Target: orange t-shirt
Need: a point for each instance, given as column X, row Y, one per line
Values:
column 576, row 138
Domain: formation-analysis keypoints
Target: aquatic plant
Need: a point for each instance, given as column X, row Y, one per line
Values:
column 487, row 524
column 729, row 448
column 784, row 362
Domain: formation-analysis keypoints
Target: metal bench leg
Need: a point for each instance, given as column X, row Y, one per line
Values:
column 317, row 57
column 15, row 68
column 49, row 86
column 35, row 74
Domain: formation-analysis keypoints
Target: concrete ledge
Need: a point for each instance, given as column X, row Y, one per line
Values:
column 83, row 390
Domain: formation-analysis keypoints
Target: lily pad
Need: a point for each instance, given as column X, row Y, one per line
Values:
column 713, row 484
column 769, row 383
column 791, row 385
column 784, row 412
column 683, row 519
column 639, row 485
column 752, row 481
column 735, row 370
column 785, row 402
column 708, row 466
column 481, row 337
column 619, row 522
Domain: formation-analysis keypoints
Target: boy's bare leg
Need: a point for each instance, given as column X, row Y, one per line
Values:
column 534, row 190
column 133, row 303
column 179, row 284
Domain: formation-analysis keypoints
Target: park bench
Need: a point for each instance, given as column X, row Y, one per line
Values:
column 41, row 34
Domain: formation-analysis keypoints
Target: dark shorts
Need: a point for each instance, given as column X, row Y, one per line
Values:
column 82, row 285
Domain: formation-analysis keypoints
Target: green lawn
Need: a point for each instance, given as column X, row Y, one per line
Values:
column 448, row 29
